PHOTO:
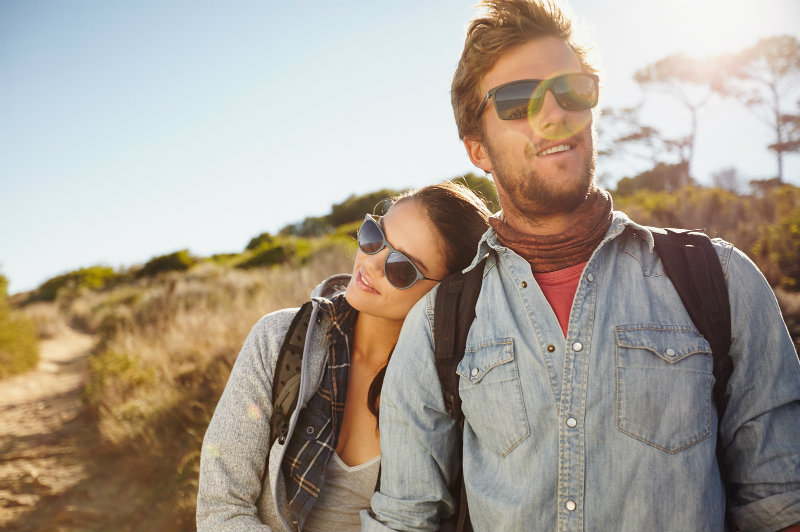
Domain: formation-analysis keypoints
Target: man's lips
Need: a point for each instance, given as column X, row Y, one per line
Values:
column 558, row 148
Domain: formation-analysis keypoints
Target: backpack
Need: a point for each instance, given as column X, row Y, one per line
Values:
column 690, row 262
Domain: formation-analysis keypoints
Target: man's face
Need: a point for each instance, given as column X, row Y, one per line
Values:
column 542, row 165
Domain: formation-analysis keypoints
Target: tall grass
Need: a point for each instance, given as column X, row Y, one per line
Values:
column 167, row 346
column 19, row 347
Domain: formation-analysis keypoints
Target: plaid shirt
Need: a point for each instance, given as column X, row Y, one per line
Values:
column 317, row 431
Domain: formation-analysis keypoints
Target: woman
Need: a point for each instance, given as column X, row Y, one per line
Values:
column 325, row 470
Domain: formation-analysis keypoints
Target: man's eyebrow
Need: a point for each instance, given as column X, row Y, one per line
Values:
column 415, row 260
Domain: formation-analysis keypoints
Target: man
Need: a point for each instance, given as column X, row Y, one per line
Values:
column 586, row 388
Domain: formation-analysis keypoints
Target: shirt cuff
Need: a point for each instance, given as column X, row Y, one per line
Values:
column 370, row 524
column 773, row 513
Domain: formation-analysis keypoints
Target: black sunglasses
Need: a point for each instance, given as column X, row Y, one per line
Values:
column 400, row 271
column 524, row 97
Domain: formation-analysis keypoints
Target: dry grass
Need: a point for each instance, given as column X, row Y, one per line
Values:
column 166, row 349
column 47, row 319
column 790, row 306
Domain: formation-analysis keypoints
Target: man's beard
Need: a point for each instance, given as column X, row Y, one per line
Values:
column 533, row 194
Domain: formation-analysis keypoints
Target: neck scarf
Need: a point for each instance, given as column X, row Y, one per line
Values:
column 548, row 253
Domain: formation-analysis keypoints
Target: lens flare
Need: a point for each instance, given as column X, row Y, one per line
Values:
column 253, row 412
column 212, row 450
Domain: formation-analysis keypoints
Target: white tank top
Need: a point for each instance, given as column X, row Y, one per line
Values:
column 345, row 492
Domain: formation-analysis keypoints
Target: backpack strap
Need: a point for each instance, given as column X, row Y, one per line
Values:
column 286, row 381
column 693, row 266
column 454, row 312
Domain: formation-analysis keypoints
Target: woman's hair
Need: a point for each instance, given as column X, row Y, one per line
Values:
column 505, row 25
column 461, row 218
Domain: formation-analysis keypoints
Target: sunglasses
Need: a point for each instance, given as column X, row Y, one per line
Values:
column 524, row 97
column 400, row 271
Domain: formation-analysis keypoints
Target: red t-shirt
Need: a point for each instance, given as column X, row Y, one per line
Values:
column 559, row 288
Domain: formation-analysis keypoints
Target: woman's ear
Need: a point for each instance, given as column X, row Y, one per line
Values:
column 478, row 154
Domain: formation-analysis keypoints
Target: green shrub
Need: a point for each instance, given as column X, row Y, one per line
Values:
column 91, row 278
column 264, row 239
column 269, row 255
column 177, row 261
column 19, row 347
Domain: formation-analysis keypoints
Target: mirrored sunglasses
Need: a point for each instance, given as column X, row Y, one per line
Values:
column 400, row 271
column 524, row 97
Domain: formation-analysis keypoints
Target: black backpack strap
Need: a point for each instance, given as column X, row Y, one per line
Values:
column 286, row 381
column 454, row 312
column 693, row 266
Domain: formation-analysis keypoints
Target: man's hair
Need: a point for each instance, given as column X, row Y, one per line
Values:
column 506, row 24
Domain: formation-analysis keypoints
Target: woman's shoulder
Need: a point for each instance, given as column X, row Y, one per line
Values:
column 273, row 326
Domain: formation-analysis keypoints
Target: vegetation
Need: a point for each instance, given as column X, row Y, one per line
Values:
column 19, row 349
column 173, row 262
column 166, row 349
column 92, row 278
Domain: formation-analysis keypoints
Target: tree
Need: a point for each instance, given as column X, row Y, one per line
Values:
column 791, row 129
column 622, row 135
column 686, row 79
column 663, row 177
column 763, row 77
column 728, row 179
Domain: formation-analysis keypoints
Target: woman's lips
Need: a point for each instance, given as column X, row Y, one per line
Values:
column 364, row 282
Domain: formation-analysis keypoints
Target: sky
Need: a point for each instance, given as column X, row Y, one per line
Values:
column 134, row 129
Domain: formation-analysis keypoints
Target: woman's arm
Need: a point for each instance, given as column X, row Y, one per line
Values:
column 236, row 444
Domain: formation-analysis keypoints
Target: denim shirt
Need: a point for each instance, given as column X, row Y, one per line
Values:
column 610, row 428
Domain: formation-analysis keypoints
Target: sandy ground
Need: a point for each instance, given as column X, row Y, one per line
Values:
column 54, row 475
column 41, row 417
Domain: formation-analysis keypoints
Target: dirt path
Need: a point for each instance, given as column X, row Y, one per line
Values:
column 43, row 431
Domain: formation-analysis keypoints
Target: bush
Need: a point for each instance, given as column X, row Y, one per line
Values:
column 19, row 347
column 91, row 278
column 114, row 378
column 264, row 239
column 268, row 255
column 177, row 261
column 355, row 207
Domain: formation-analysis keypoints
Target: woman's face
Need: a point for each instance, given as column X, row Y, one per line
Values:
column 408, row 230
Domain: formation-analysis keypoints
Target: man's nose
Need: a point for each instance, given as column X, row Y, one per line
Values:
column 551, row 114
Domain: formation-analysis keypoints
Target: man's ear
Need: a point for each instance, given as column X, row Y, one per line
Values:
column 478, row 154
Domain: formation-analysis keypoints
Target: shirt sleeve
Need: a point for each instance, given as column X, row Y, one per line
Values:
column 236, row 444
column 760, row 429
column 419, row 454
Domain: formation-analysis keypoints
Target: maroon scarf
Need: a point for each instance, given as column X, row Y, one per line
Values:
column 548, row 253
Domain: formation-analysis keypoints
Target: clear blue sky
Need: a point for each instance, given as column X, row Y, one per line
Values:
column 133, row 129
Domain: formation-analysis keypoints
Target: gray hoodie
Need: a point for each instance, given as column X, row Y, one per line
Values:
column 241, row 483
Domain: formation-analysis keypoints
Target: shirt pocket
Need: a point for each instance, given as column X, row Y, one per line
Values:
column 312, row 432
column 664, row 380
column 491, row 395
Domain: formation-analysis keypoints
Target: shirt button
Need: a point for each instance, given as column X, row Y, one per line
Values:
column 572, row 422
column 590, row 277
column 475, row 372
column 524, row 284
column 570, row 505
column 670, row 352
column 577, row 346
column 551, row 348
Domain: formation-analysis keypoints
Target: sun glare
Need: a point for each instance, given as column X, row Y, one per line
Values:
column 710, row 27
